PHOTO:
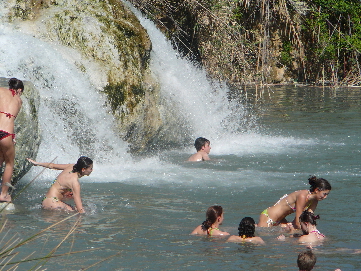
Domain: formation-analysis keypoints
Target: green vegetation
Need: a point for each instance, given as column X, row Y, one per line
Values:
column 286, row 57
column 333, row 28
column 116, row 95
column 315, row 41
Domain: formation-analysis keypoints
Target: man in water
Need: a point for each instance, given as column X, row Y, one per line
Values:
column 306, row 260
column 203, row 148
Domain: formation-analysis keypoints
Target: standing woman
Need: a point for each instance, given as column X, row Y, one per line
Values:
column 66, row 185
column 296, row 202
column 214, row 218
column 10, row 104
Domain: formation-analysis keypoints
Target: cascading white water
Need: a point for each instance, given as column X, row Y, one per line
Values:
column 74, row 119
column 72, row 114
column 204, row 104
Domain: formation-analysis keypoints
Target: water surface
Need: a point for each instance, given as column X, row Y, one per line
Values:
column 145, row 214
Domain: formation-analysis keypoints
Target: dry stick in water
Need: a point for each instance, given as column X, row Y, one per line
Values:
column 53, row 256
column 41, row 172
column 100, row 261
column 9, row 250
column 26, row 186
column 35, row 235
column 50, row 254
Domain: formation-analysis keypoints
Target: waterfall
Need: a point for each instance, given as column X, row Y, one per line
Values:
column 204, row 104
column 74, row 119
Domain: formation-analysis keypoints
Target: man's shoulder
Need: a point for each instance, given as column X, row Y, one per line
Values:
column 196, row 157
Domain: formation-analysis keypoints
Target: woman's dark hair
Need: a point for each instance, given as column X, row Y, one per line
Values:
column 307, row 216
column 83, row 162
column 319, row 183
column 212, row 214
column 16, row 84
column 246, row 227
column 200, row 142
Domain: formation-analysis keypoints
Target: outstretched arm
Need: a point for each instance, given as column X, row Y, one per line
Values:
column 49, row 165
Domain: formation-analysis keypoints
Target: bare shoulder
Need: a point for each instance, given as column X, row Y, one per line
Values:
column 258, row 240
column 299, row 194
column 195, row 157
column 218, row 232
column 307, row 239
column 67, row 175
column 205, row 157
column 198, row 230
column 234, row 238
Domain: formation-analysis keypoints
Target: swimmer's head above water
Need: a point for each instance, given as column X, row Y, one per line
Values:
column 201, row 142
column 84, row 166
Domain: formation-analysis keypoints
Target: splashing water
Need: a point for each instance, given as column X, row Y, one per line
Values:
column 74, row 119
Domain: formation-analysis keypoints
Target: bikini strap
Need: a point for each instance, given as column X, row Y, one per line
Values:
column 13, row 92
column 318, row 233
column 209, row 231
column 8, row 114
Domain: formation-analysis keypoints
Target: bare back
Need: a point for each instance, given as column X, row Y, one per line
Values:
column 9, row 106
column 65, row 181
column 199, row 156
column 313, row 237
column 289, row 204
column 239, row 239
column 210, row 232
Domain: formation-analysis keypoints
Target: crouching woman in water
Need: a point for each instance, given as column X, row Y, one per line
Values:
column 66, row 185
column 296, row 202
column 214, row 218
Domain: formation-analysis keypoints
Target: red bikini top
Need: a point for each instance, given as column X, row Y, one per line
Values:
column 13, row 92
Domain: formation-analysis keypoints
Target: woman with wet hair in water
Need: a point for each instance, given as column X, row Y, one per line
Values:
column 310, row 234
column 296, row 202
column 214, row 218
column 246, row 231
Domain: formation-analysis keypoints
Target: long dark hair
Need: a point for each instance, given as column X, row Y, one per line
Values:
column 15, row 84
column 246, row 227
column 83, row 162
column 319, row 183
column 212, row 214
column 309, row 217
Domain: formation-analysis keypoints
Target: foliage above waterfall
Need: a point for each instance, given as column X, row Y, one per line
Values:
column 263, row 41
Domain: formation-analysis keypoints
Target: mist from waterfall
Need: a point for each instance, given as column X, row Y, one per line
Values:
column 74, row 120
column 204, row 104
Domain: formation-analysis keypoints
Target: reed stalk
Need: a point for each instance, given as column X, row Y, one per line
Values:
column 10, row 242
